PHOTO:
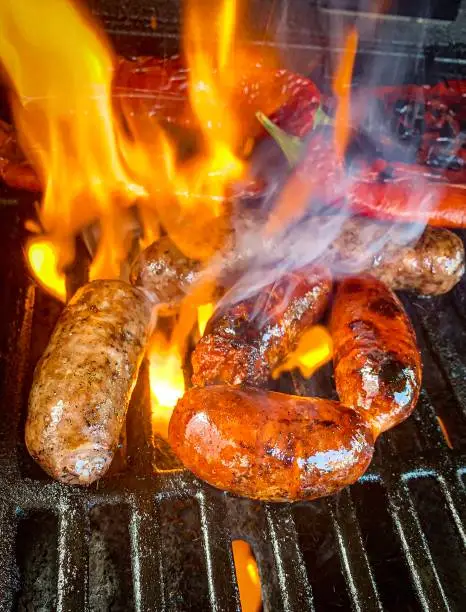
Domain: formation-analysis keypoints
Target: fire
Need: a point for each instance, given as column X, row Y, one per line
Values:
column 204, row 312
column 193, row 209
column 247, row 576
column 314, row 350
column 300, row 187
column 43, row 260
column 97, row 156
column 62, row 73
column 166, row 381
column 342, row 91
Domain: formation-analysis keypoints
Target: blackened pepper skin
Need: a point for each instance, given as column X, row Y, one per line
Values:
column 376, row 360
column 83, row 382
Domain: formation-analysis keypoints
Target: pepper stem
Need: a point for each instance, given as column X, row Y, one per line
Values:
column 292, row 146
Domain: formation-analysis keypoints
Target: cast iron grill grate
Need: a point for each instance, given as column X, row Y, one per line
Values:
column 395, row 540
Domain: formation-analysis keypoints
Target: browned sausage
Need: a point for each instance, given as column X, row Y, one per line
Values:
column 432, row 266
column 267, row 445
column 165, row 272
column 245, row 343
column 83, row 382
column 376, row 360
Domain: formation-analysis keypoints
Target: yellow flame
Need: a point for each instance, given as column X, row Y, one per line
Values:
column 342, row 91
column 61, row 70
column 43, row 260
column 247, row 576
column 97, row 156
column 166, row 381
column 204, row 312
column 314, row 350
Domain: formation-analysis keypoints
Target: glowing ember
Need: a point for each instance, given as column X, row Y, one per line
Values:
column 315, row 349
column 204, row 312
column 42, row 258
column 247, row 576
column 445, row 433
column 166, row 381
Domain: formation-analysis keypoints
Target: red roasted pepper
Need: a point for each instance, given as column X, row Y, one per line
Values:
column 152, row 87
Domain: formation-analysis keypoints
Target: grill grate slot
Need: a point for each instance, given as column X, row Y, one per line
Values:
column 73, row 527
column 421, row 565
column 146, row 556
column 219, row 557
column 354, row 560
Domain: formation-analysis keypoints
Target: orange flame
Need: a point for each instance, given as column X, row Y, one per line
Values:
column 43, row 261
column 247, row 576
column 299, row 189
column 62, row 69
column 166, row 381
column 314, row 350
column 342, row 91
column 204, row 312
column 95, row 163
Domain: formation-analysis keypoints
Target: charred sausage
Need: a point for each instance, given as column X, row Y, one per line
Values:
column 83, row 382
column 267, row 445
column 244, row 344
column 432, row 266
column 376, row 361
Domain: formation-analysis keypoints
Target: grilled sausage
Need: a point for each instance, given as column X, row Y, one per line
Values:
column 83, row 382
column 245, row 343
column 165, row 272
column 376, row 361
column 267, row 445
column 432, row 266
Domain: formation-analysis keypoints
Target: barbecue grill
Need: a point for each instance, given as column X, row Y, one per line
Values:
column 394, row 541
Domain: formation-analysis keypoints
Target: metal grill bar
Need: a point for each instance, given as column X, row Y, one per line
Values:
column 223, row 589
column 8, row 571
column 422, row 567
column 295, row 588
column 353, row 555
column 146, row 556
column 72, row 554
column 455, row 500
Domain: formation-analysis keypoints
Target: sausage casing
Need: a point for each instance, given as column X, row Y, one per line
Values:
column 165, row 272
column 243, row 344
column 267, row 445
column 376, row 361
column 83, row 382
column 432, row 266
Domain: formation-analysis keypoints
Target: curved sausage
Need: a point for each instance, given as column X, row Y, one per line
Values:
column 165, row 272
column 245, row 343
column 432, row 266
column 267, row 445
column 83, row 382
column 376, row 361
